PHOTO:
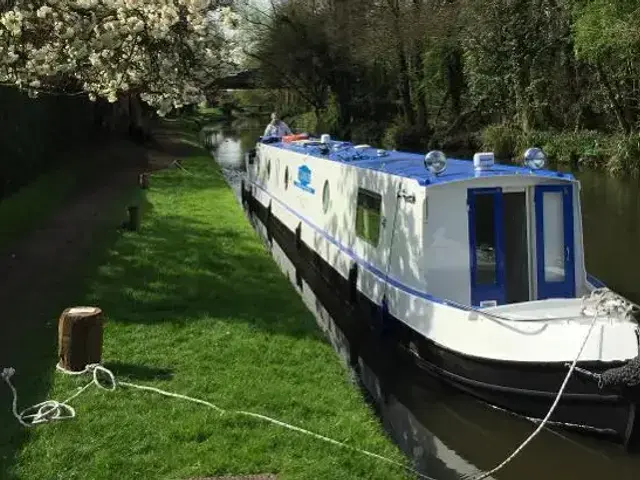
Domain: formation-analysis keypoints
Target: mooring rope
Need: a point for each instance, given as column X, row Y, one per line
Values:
column 52, row 410
column 603, row 301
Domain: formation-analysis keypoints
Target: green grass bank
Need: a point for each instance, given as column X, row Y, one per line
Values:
column 195, row 305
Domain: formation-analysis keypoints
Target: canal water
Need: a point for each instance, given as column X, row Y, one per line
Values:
column 449, row 435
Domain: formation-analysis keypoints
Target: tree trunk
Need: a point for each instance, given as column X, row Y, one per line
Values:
column 405, row 87
column 79, row 337
column 139, row 130
column 613, row 102
column 404, row 80
column 422, row 115
column 455, row 80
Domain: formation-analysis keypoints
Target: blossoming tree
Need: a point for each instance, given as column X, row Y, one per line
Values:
column 166, row 52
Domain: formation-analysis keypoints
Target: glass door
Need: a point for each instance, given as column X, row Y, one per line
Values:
column 555, row 241
column 486, row 246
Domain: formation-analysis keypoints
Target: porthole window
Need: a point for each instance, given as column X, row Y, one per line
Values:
column 326, row 197
column 286, row 178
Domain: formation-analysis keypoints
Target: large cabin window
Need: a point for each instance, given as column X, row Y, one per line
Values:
column 368, row 216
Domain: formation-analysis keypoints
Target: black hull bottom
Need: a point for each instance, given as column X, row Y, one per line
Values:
column 523, row 388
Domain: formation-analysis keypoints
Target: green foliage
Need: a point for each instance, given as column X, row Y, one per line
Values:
column 625, row 155
column 367, row 132
column 402, row 136
column 501, row 139
column 584, row 147
column 617, row 154
column 305, row 122
column 329, row 117
column 607, row 31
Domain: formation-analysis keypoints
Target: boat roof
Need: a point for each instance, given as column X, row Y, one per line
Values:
column 406, row 164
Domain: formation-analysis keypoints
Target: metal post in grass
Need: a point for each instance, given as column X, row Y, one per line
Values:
column 79, row 337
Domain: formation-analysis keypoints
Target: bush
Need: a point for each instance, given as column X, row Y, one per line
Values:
column 625, row 155
column 501, row 139
column 305, row 122
column 402, row 136
column 584, row 147
column 367, row 132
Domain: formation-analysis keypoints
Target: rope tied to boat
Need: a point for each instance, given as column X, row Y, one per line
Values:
column 606, row 302
column 598, row 303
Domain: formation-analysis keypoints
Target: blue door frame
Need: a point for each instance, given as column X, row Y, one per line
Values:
column 565, row 287
column 496, row 290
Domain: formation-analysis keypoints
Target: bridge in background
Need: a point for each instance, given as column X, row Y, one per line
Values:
column 245, row 80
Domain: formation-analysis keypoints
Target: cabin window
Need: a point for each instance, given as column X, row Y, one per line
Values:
column 269, row 168
column 326, row 197
column 485, row 240
column 286, row 178
column 553, row 230
column 368, row 216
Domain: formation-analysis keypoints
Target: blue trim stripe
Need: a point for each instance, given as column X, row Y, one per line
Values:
column 368, row 266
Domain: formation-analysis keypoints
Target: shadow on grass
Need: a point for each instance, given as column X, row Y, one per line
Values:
column 179, row 270
column 29, row 325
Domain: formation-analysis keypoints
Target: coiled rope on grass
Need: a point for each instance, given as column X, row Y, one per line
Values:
column 52, row 410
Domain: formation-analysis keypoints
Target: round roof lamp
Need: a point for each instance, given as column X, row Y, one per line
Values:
column 534, row 158
column 435, row 161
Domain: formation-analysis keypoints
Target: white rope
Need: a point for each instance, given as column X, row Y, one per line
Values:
column 604, row 301
column 52, row 410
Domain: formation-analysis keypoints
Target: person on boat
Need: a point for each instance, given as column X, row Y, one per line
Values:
column 277, row 128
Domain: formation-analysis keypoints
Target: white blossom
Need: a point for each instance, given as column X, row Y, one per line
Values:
column 167, row 50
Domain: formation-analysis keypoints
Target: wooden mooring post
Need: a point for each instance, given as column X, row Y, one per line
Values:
column 80, row 337
column 133, row 224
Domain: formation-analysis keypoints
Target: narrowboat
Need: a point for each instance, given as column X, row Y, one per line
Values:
column 478, row 266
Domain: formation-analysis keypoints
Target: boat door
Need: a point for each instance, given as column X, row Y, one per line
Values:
column 498, row 246
column 486, row 246
column 554, row 241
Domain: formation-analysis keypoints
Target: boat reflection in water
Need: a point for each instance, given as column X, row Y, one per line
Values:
column 446, row 434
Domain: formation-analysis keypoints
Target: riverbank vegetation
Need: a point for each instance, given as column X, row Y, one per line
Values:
column 459, row 75
column 195, row 305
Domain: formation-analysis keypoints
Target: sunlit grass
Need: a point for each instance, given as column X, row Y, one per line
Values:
column 195, row 305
